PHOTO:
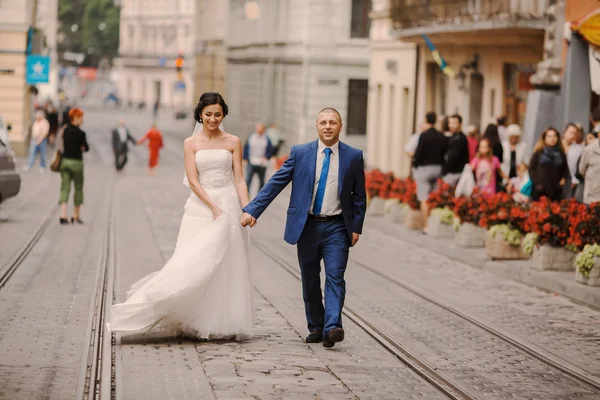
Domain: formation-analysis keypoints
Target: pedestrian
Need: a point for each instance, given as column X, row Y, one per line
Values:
column 155, row 143
column 457, row 154
column 155, row 109
column 595, row 120
column 473, row 139
column 580, row 190
column 516, row 184
column 486, row 167
column 258, row 150
column 589, row 168
column 120, row 137
column 492, row 134
column 501, row 125
column 573, row 150
column 71, row 166
column 39, row 138
column 515, row 151
column 325, row 218
column 548, row 169
column 428, row 161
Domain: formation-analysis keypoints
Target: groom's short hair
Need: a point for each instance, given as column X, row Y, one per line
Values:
column 331, row 110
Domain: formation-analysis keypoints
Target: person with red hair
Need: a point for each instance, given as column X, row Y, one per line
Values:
column 155, row 143
column 74, row 144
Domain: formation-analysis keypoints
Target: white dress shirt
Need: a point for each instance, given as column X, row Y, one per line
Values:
column 258, row 149
column 122, row 134
column 331, row 199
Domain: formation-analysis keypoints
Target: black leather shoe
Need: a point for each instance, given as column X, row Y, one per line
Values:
column 78, row 220
column 64, row 221
column 333, row 336
column 314, row 337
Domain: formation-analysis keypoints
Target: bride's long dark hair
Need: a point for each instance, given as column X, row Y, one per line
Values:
column 208, row 99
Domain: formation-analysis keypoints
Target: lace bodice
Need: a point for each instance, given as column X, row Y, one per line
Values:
column 214, row 168
column 215, row 174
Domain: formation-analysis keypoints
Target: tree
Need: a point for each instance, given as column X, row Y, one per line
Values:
column 97, row 33
column 101, row 29
column 69, row 15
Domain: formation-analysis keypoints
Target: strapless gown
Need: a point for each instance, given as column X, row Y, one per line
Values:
column 205, row 290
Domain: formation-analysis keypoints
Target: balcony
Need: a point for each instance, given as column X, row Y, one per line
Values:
column 471, row 20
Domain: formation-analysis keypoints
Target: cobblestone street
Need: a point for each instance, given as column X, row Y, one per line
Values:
column 419, row 324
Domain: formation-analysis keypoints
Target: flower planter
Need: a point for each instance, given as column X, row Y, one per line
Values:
column 593, row 279
column 376, row 206
column 438, row 229
column 413, row 219
column 470, row 235
column 497, row 248
column 397, row 212
column 548, row 258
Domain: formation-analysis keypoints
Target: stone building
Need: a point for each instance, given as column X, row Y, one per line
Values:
column 492, row 45
column 16, row 102
column 211, row 25
column 154, row 33
column 567, row 81
column 287, row 59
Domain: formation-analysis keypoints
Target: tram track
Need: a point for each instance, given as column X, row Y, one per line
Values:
column 424, row 369
column 550, row 359
column 17, row 258
column 98, row 374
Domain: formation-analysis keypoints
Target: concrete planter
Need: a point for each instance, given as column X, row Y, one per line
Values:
column 376, row 206
column 594, row 278
column 497, row 248
column 413, row 219
column 438, row 229
column 470, row 235
column 547, row 258
column 397, row 212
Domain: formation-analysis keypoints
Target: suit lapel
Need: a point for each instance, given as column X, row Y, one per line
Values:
column 342, row 167
column 312, row 164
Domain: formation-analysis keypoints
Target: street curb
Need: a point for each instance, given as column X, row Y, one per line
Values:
column 558, row 283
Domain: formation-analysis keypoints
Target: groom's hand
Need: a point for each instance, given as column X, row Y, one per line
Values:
column 355, row 237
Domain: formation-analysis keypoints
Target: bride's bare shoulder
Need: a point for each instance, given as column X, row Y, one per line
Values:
column 232, row 138
column 189, row 143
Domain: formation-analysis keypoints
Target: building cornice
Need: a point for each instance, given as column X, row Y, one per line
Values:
column 315, row 60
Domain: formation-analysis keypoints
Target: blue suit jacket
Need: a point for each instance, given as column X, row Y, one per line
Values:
column 300, row 168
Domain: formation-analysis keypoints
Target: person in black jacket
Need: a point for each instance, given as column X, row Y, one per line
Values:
column 428, row 161
column 120, row 137
column 71, row 166
column 457, row 155
column 548, row 169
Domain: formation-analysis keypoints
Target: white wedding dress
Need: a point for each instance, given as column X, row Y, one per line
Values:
column 205, row 290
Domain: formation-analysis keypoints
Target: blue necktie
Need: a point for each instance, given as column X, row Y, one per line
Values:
column 322, row 183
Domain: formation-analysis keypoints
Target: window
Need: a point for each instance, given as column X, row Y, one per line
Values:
column 360, row 24
column 358, row 92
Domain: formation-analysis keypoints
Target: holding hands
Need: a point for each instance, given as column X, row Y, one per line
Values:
column 247, row 220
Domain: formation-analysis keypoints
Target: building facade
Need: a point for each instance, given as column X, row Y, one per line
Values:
column 567, row 81
column 211, row 25
column 288, row 59
column 493, row 46
column 154, row 33
column 16, row 100
column 392, row 90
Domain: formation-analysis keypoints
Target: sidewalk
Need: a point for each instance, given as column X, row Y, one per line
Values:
column 561, row 283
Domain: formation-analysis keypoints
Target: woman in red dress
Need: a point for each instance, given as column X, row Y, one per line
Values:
column 155, row 143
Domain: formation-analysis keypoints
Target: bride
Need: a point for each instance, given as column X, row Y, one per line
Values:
column 205, row 290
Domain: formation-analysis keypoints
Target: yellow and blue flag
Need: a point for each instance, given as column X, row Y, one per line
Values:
column 444, row 67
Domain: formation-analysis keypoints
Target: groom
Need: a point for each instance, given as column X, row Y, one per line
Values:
column 324, row 218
